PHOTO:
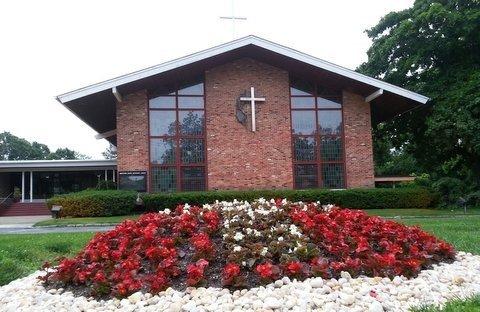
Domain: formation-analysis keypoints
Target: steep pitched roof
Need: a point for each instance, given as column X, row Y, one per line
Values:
column 230, row 46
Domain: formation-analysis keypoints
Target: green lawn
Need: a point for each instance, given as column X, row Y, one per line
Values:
column 91, row 220
column 25, row 253
column 469, row 305
column 404, row 213
column 462, row 232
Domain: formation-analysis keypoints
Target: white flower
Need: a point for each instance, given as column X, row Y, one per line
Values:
column 186, row 206
column 225, row 235
column 280, row 238
column 249, row 231
column 238, row 236
column 284, row 201
column 167, row 211
column 264, row 251
column 257, row 233
column 244, row 263
column 237, row 248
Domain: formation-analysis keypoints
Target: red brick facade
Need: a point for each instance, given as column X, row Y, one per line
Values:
column 132, row 133
column 358, row 141
column 237, row 157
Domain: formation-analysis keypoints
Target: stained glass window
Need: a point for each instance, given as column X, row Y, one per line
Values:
column 177, row 139
column 317, row 136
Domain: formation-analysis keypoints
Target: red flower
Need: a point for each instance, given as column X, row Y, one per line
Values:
column 268, row 271
column 293, row 268
column 195, row 272
column 230, row 272
column 202, row 244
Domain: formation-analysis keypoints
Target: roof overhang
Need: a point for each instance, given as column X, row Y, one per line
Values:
column 57, row 165
column 95, row 104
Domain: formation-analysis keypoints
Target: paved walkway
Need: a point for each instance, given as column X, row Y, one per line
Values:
column 23, row 221
column 59, row 229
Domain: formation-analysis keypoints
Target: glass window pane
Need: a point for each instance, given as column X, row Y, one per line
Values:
column 162, row 151
column 328, row 103
column 193, row 178
column 303, row 122
column 301, row 87
column 304, row 149
column 306, row 176
column 164, row 179
column 303, row 102
column 332, row 175
column 331, row 149
column 190, row 102
column 330, row 122
column 191, row 122
column 163, row 102
column 192, row 90
column 162, row 123
column 192, row 151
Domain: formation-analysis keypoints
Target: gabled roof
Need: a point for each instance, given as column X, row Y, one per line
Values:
column 230, row 46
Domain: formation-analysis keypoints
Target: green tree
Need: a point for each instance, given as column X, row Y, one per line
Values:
column 65, row 154
column 432, row 48
column 110, row 152
column 15, row 148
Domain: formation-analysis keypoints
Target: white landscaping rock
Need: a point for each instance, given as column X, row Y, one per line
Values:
column 444, row 282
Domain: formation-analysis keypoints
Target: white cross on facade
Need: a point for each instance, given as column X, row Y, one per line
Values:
column 252, row 99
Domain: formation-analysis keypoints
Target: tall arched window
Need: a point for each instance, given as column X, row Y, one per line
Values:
column 177, row 138
column 317, row 136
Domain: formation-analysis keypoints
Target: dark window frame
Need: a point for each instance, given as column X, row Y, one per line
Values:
column 319, row 162
column 178, row 136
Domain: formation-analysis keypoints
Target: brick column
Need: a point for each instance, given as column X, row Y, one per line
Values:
column 358, row 141
column 132, row 133
column 237, row 157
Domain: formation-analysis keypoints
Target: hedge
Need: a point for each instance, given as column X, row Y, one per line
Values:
column 94, row 203
column 108, row 203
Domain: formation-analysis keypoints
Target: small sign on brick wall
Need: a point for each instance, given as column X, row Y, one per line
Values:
column 132, row 180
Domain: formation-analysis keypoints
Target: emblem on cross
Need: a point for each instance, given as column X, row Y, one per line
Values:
column 241, row 116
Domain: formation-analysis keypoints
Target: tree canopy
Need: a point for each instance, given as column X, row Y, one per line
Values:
column 15, row 148
column 432, row 48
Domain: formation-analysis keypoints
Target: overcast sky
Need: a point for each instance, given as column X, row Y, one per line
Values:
column 51, row 47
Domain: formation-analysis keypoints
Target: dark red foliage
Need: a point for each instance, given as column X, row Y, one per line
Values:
column 355, row 242
column 160, row 250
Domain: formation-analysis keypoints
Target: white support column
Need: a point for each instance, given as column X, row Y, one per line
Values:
column 31, row 186
column 113, row 175
column 23, row 186
column 106, row 174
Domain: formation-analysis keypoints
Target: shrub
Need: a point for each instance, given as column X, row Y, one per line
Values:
column 412, row 197
column 257, row 243
column 91, row 203
column 450, row 190
column 109, row 203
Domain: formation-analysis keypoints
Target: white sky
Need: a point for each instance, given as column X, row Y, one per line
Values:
column 50, row 47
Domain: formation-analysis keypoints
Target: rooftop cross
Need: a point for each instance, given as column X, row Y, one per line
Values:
column 233, row 18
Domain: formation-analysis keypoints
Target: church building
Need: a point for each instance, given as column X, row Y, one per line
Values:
column 248, row 114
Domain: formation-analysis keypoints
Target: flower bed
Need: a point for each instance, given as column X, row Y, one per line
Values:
column 241, row 245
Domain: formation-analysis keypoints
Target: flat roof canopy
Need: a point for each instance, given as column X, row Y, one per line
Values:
column 95, row 104
column 57, row 165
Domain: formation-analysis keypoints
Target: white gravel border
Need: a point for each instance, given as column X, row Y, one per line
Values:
column 444, row 282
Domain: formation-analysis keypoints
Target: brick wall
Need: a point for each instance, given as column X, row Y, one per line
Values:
column 132, row 132
column 358, row 141
column 237, row 157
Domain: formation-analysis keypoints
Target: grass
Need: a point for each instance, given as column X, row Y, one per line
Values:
column 468, row 305
column 23, row 254
column 83, row 221
column 463, row 233
column 389, row 213
column 414, row 212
